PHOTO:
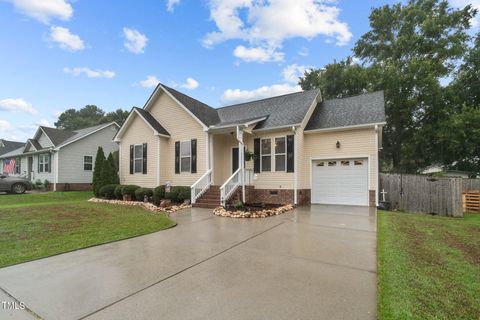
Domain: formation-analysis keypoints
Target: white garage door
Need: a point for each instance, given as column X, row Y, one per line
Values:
column 342, row 181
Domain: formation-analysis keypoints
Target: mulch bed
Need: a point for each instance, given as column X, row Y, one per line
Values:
column 252, row 212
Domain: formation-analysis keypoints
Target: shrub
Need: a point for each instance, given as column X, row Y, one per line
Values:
column 118, row 191
column 129, row 190
column 46, row 183
column 158, row 194
column 178, row 193
column 238, row 205
column 108, row 191
column 184, row 193
column 140, row 193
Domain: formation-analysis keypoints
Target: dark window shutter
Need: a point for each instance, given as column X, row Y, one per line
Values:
column 256, row 158
column 131, row 159
column 49, row 162
column 144, row 158
column 38, row 163
column 194, row 156
column 177, row 156
column 290, row 153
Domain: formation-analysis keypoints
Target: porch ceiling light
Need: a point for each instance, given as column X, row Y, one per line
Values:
column 338, row 144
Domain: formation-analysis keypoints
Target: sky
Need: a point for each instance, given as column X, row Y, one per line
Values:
column 61, row 54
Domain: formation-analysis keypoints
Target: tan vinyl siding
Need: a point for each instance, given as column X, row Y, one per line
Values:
column 138, row 133
column 222, row 156
column 70, row 165
column 182, row 127
column 354, row 143
column 271, row 180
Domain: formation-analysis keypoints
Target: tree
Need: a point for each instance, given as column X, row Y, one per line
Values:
column 89, row 116
column 98, row 171
column 337, row 79
column 408, row 50
column 110, row 171
column 119, row 116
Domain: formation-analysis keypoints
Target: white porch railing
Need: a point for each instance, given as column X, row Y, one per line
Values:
column 227, row 189
column 201, row 185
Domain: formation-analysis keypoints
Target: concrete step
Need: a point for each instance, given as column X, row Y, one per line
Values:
column 204, row 205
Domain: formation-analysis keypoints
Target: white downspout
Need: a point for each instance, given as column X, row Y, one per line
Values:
column 55, row 173
column 295, row 165
column 378, row 168
column 158, row 161
column 241, row 154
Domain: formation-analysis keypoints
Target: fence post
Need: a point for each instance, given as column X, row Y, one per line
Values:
column 456, row 194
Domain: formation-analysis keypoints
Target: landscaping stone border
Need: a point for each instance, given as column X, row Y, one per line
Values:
column 146, row 205
column 222, row 212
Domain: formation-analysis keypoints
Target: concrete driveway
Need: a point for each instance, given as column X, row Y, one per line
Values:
column 316, row 262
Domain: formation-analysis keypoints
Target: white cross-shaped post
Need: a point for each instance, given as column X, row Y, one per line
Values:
column 383, row 194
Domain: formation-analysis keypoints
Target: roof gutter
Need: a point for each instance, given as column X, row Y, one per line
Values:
column 353, row 127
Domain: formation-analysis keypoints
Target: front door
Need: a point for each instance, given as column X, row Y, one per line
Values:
column 30, row 167
column 234, row 159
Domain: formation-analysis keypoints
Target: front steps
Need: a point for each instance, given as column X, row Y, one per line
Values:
column 210, row 199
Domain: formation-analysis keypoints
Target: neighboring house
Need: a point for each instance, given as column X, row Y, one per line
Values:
column 64, row 158
column 443, row 170
column 7, row 146
column 306, row 149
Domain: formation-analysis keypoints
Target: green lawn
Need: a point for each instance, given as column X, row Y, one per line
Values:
column 428, row 267
column 39, row 225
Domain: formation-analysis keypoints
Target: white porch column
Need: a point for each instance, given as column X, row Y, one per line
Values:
column 241, row 155
column 210, row 156
column 295, row 166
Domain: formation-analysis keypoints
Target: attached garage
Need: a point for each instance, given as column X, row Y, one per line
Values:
column 340, row 181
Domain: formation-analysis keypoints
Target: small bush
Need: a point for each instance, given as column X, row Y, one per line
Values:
column 140, row 193
column 158, row 194
column 238, row 205
column 129, row 190
column 178, row 194
column 184, row 193
column 46, row 183
column 108, row 191
column 118, row 191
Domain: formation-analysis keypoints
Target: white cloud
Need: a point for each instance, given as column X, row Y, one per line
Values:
column 190, row 84
column 135, row 41
column 292, row 72
column 267, row 24
column 5, row 126
column 474, row 3
column 45, row 10
column 171, row 4
column 303, row 52
column 65, row 39
column 34, row 126
column 149, row 82
column 257, row 54
column 17, row 105
column 232, row 96
column 89, row 72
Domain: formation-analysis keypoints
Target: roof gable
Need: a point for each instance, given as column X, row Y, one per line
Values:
column 7, row 146
column 156, row 127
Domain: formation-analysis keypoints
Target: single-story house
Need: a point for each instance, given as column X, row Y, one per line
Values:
column 7, row 146
column 65, row 158
column 299, row 148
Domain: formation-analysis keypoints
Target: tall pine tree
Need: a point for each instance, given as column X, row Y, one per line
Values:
column 98, row 171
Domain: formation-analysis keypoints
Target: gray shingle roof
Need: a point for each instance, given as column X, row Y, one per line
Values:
column 349, row 111
column 57, row 136
column 283, row 110
column 77, row 134
column 202, row 111
column 7, row 146
column 152, row 121
column 35, row 144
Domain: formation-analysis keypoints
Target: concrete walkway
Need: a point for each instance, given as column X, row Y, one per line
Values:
column 317, row 262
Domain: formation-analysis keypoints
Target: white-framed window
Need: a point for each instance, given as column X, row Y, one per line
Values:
column 17, row 167
column 185, row 156
column 43, row 162
column 266, row 154
column 138, row 158
column 280, row 154
column 87, row 163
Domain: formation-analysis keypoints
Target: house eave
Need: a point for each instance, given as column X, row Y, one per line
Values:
column 352, row 127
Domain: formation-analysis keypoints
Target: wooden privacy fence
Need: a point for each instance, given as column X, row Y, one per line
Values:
column 423, row 194
column 470, row 184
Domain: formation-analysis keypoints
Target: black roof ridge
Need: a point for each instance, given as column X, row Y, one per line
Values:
column 356, row 95
column 282, row 95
